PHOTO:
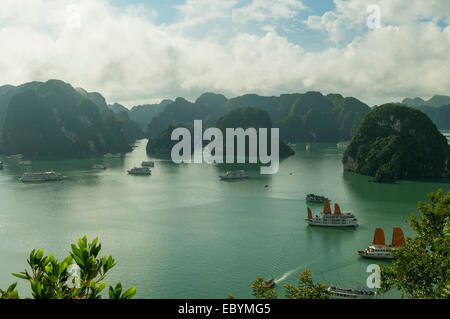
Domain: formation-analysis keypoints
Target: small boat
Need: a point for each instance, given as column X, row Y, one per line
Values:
column 316, row 198
column 1, row 165
column 234, row 175
column 98, row 166
column 110, row 155
column 25, row 163
column 343, row 144
column 327, row 219
column 40, row 177
column 17, row 156
column 140, row 171
column 308, row 146
column 148, row 164
column 355, row 293
column 269, row 283
column 379, row 249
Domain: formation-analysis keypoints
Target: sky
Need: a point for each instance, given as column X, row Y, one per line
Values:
column 143, row 51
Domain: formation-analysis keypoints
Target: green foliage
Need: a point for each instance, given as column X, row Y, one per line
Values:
column 53, row 279
column 306, row 289
column 421, row 268
column 397, row 142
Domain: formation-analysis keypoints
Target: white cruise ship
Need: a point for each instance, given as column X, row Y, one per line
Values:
column 379, row 249
column 140, row 171
column 99, row 166
column 40, row 177
column 148, row 164
column 327, row 219
column 17, row 156
column 234, row 175
column 356, row 293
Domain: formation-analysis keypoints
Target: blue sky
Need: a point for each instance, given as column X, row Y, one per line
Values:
column 142, row 51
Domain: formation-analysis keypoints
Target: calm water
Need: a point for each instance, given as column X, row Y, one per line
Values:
column 182, row 233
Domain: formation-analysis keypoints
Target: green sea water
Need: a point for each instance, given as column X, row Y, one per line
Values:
column 183, row 233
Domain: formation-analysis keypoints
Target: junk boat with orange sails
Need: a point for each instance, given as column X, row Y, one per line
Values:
column 379, row 249
column 329, row 219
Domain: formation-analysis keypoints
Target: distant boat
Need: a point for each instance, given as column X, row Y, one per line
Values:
column 327, row 219
column 148, row 164
column 98, row 166
column 40, row 177
column 17, row 156
column 351, row 293
column 343, row 144
column 110, row 155
column 234, row 175
column 269, row 283
column 140, row 171
column 25, row 163
column 1, row 165
column 308, row 146
column 379, row 249
column 316, row 198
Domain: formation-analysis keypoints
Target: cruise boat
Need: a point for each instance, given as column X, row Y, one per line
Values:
column 148, row 164
column 327, row 219
column 40, row 177
column 140, row 171
column 379, row 249
column 234, row 175
column 25, row 163
column 354, row 293
column 343, row 144
column 316, row 198
column 98, row 166
column 109, row 155
column 17, row 156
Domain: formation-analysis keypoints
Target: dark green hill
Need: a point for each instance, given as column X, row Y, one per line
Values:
column 250, row 117
column 54, row 119
column 397, row 142
column 144, row 114
column 209, row 107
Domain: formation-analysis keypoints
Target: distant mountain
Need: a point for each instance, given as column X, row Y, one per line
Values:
column 117, row 108
column 144, row 114
column 54, row 119
column 435, row 101
column 397, row 142
column 304, row 117
column 437, row 108
column 242, row 117
column 208, row 107
column 248, row 117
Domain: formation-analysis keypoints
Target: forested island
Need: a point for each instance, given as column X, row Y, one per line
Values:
column 398, row 142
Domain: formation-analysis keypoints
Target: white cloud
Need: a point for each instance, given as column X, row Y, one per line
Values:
column 264, row 10
column 129, row 59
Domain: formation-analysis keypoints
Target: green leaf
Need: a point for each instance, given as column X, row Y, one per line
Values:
column 129, row 293
column 20, row 276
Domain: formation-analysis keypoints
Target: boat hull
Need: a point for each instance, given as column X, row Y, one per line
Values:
column 372, row 256
column 336, row 225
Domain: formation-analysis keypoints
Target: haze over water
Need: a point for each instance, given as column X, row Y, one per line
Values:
column 183, row 233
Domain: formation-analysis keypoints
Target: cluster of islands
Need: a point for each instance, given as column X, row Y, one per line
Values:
column 389, row 142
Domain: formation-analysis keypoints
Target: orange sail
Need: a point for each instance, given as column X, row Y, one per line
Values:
column 326, row 207
column 337, row 209
column 309, row 213
column 378, row 239
column 398, row 239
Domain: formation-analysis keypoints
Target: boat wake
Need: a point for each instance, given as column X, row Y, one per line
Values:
column 288, row 273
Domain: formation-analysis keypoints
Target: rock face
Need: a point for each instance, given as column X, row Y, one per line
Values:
column 54, row 119
column 397, row 142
